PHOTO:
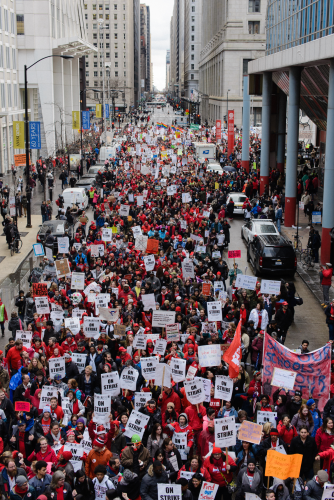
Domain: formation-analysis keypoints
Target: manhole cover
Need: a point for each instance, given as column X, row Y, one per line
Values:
column 24, row 234
column 2, row 258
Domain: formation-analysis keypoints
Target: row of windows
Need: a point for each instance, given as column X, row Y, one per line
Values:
column 100, row 6
column 7, row 20
column 6, row 63
column 11, row 92
column 99, row 84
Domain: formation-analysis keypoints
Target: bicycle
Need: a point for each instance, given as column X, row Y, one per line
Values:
column 307, row 258
column 297, row 244
column 15, row 245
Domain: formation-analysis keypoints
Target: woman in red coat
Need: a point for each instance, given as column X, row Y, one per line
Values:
column 286, row 431
column 220, row 472
column 45, row 452
column 324, row 436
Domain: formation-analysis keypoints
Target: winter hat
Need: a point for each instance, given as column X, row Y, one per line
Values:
column 135, row 439
column 298, row 393
column 310, row 402
column 81, row 420
column 57, row 376
column 98, row 442
column 128, row 476
column 183, row 415
column 67, row 455
column 46, row 409
column 20, row 480
column 273, row 432
column 322, row 476
column 100, row 430
column 216, row 450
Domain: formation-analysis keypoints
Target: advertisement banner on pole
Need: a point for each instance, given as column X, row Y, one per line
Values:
column 230, row 145
column 86, row 120
column 218, row 129
column 35, row 135
column 98, row 111
column 106, row 110
column 75, row 120
column 18, row 135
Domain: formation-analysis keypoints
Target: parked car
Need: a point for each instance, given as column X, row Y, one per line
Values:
column 272, row 254
column 58, row 228
column 86, row 183
column 215, row 168
column 239, row 199
column 258, row 227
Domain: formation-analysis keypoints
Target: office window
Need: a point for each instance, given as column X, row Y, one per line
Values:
column 6, row 19
column 87, row 83
column 3, row 95
column 124, row 55
column 116, row 45
column 124, row 36
column 107, row 18
column 85, row 6
column 107, row 26
column 87, row 64
column 116, row 73
column 124, row 46
column 192, row 38
column 101, row 36
column 101, row 45
column 96, row 84
column 1, row 56
column 106, row 7
column 7, row 58
column 1, row 17
column 87, row 73
column 94, row 6
column 95, row 73
column 9, row 92
column 101, row 65
column 101, row 73
column 13, row 58
column 124, row 64
column 94, row 36
column 115, row 17
column 94, row 17
column 116, row 64
column 123, row 17
column 193, row 9
column 15, row 94
column 192, row 19
column 254, row 6
column 100, row 6
column 193, row 28
column 19, row 24
column 94, row 26
column 192, row 66
column 86, row 26
column 107, row 45
column 115, row 6
column 115, row 26
column 12, row 25
column 245, row 66
column 124, row 73
column 95, row 64
column 193, row 47
column 86, row 17
column 192, row 57
column 95, row 44
column 124, row 27
column 116, row 55
column 107, row 36
column 253, row 27
column 115, row 36
column 192, row 76
column 124, row 6
column 108, row 54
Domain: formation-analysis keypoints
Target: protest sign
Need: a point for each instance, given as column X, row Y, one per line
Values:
column 162, row 318
column 186, row 474
column 136, row 231
column 124, row 210
column 178, row 367
column 208, row 491
column 152, row 246
column 215, row 311
column 78, row 281
column 101, row 301
column 25, row 336
column 139, row 341
column 94, row 250
column 245, row 281
column 206, row 289
column 209, row 355
column 140, row 201
column 186, row 197
column 62, row 268
column 234, row 254
column 42, row 305
column 102, row 408
column 223, row 387
column 77, row 452
column 283, row 378
column 128, row 379
column 180, row 441
column 149, row 262
column 209, row 328
column 172, row 332
column 266, row 416
column 250, row 432
column 148, row 366
column 251, row 496
column 225, row 432
column 80, row 360
column 163, row 375
column 66, row 407
column 106, row 314
column 39, row 289
column 148, row 301
column 47, row 393
column 57, row 366
column 194, row 391
column 38, row 248
column 282, row 466
column 110, row 384
column 328, row 492
column 160, row 347
column 73, row 324
column 141, row 399
column 136, row 424
column 216, row 254
column 169, row 491
column 313, row 369
column 188, row 269
column 22, row 406
column 119, row 330
column 141, row 243
column 91, row 327
column 271, row 287
column 63, row 244
column 106, row 234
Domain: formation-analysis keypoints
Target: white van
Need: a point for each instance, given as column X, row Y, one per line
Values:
column 106, row 153
column 75, row 195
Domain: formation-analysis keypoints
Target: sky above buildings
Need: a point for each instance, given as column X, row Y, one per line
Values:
column 161, row 13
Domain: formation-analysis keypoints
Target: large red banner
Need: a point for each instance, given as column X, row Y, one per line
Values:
column 230, row 144
column 313, row 370
column 218, row 130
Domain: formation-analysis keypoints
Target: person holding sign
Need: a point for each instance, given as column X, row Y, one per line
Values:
column 138, row 450
column 220, row 468
column 249, row 480
column 99, row 455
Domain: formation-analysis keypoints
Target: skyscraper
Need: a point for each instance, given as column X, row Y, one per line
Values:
column 145, row 47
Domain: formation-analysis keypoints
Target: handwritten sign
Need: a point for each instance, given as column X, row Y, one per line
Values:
column 284, row 378
column 208, row 491
column 250, row 432
column 209, row 355
column 234, row 254
column 282, row 466
column 22, row 406
column 39, row 289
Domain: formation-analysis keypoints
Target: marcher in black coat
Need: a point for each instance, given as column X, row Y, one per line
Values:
column 83, row 487
column 154, row 413
column 304, row 445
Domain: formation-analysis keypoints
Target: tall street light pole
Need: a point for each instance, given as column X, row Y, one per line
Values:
column 229, row 90
column 26, row 129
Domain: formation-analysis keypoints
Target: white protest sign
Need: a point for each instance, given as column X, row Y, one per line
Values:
column 214, row 311
column 252, row 496
column 186, row 197
column 80, row 360
column 223, row 388
column 225, row 432
column 188, row 269
column 94, row 250
column 73, row 324
column 141, row 243
column 178, row 367
column 124, row 210
column 102, row 408
column 148, row 367
column 42, row 305
column 207, row 389
column 78, row 281
column 245, row 281
column 47, row 393
column 163, row 375
column 209, row 355
column 180, row 441
column 148, row 301
column 91, row 327
column 25, row 336
column 128, row 378
column 57, row 366
column 141, row 399
column 263, row 417
column 63, row 244
column 139, row 341
column 110, row 384
column 106, row 234
column 77, row 452
column 169, row 491
column 284, row 378
column 172, row 332
column 162, row 318
column 140, row 201
column 271, row 287
column 208, row 491
column 195, row 391
column 136, row 231
column 160, row 347
column 101, row 301
column 183, row 224
column 136, row 424
column 149, row 262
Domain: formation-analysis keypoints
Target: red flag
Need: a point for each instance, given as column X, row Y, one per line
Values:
column 233, row 354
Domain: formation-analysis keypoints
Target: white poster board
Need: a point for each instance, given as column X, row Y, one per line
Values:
column 136, row 424
column 225, row 432
column 223, row 387
column 57, row 366
column 209, row 355
column 110, row 384
column 194, row 391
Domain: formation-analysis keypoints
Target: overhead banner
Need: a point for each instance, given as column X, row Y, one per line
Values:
column 230, row 137
column 106, row 110
column 75, row 120
column 313, row 369
column 18, row 135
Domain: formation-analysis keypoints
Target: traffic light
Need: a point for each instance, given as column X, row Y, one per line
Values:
column 113, row 125
column 198, row 119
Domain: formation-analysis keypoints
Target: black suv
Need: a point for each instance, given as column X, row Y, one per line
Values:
column 272, row 254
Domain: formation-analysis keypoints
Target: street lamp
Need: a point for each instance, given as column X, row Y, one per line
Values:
column 26, row 122
column 229, row 90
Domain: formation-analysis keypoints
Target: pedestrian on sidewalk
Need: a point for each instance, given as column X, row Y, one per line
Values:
column 44, row 212
column 3, row 317
column 326, row 281
column 278, row 217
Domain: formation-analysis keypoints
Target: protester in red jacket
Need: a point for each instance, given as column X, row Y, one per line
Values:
column 169, row 395
column 45, row 452
column 286, row 431
column 195, row 414
column 220, row 473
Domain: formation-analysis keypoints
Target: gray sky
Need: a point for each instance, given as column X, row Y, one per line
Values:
column 161, row 13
